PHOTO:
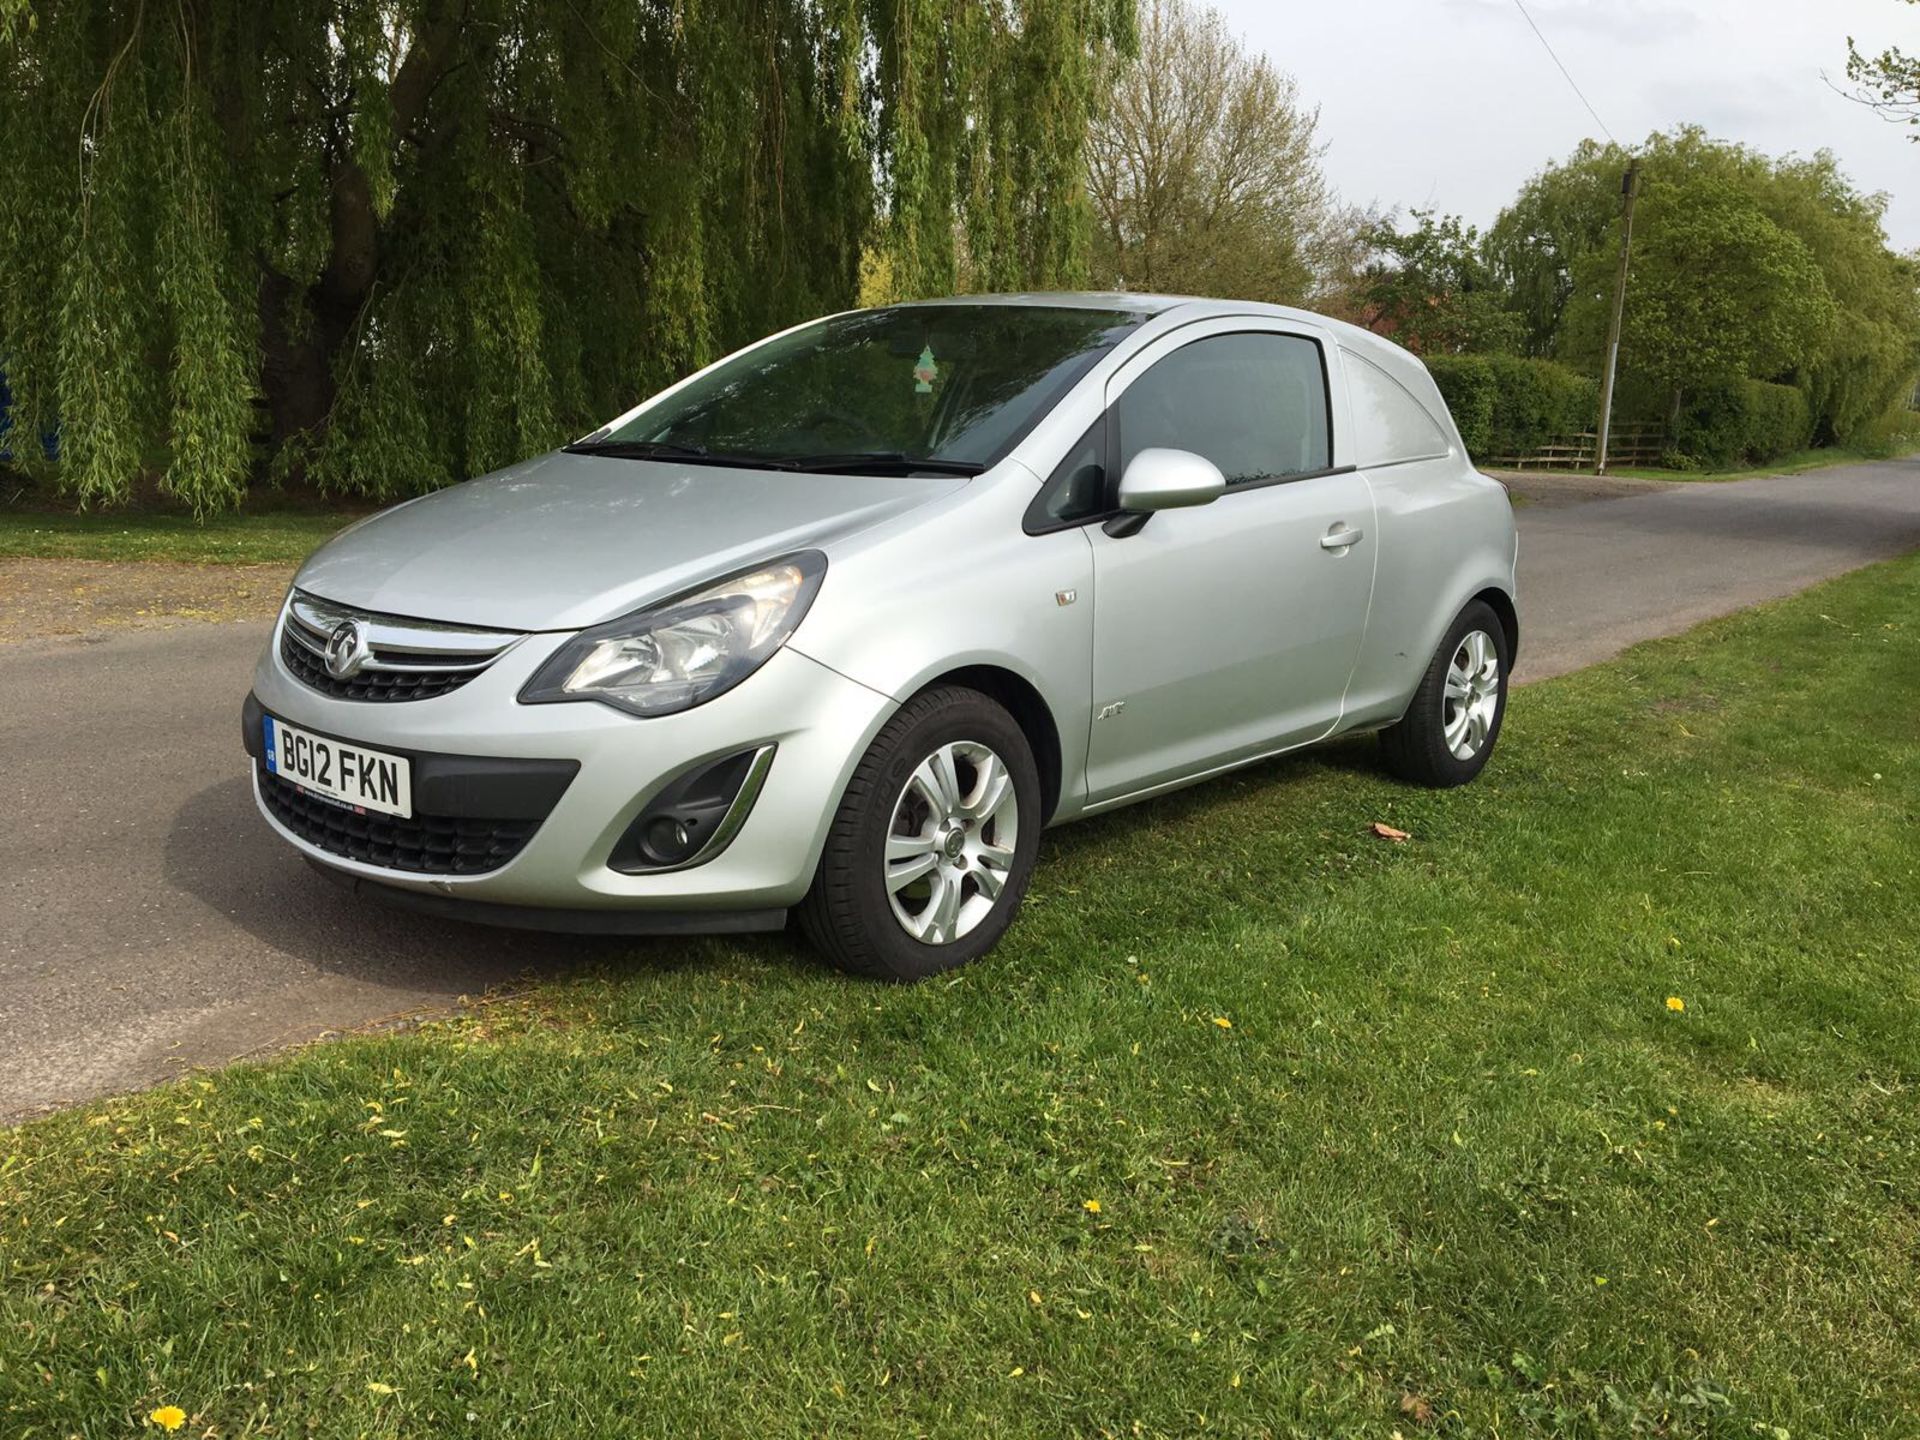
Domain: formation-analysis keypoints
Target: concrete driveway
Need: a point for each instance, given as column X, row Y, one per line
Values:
column 149, row 921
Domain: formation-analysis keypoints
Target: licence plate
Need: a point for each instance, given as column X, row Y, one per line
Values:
column 352, row 775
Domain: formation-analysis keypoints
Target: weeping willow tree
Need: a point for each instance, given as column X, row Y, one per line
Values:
column 384, row 244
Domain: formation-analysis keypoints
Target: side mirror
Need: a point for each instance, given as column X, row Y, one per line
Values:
column 1169, row 480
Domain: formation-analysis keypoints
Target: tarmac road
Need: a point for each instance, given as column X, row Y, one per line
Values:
column 149, row 921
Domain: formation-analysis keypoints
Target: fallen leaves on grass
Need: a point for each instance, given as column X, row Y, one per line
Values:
column 1387, row 832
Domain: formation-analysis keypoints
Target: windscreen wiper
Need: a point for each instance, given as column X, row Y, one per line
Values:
column 860, row 462
column 854, row 462
column 648, row 450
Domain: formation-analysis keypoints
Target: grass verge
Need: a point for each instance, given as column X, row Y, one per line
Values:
column 271, row 538
column 1589, row 1111
column 1798, row 463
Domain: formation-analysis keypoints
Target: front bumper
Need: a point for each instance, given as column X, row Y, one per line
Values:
column 820, row 721
column 555, row 920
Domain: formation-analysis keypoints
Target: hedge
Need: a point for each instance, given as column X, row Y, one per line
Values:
column 1466, row 383
column 1507, row 405
column 1741, row 422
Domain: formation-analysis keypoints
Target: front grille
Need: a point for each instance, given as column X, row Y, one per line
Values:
column 392, row 658
column 309, row 669
column 422, row 845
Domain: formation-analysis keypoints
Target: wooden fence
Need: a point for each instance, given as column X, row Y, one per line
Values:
column 1639, row 444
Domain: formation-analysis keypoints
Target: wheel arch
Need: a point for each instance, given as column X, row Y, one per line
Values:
column 1017, row 696
column 1501, row 603
column 1498, row 600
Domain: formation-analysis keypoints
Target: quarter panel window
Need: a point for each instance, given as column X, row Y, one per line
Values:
column 1390, row 426
column 1077, row 489
column 1254, row 404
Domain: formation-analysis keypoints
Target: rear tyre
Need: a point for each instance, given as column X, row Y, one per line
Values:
column 933, row 845
column 1450, row 729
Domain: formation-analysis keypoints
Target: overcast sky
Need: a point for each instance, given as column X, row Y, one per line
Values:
column 1452, row 104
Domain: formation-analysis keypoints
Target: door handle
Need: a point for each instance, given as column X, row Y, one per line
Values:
column 1341, row 538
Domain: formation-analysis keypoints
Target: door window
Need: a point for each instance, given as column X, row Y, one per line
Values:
column 1254, row 404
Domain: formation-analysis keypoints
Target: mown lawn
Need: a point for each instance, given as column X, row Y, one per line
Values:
column 1798, row 463
column 1591, row 1110
column 283, row 537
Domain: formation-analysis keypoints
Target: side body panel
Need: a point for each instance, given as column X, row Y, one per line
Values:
column 1446, row 534
column 1227, row 631
column 958, row 585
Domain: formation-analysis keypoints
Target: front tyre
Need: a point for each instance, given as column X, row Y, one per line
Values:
column 1450, row 728
column 933, row 844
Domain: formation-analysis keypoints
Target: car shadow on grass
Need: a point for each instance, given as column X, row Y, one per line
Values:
column 220, row 851
column 1357, row 754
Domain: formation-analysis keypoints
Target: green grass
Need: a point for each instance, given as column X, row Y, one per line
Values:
column 1452, row 1164
column 1797, row 463
column 272, row 538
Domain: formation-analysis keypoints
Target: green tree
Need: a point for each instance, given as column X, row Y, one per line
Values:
column 1204, row 171
column 1563, row 214
column 1431, row 289
column 1888, row 80
column 1556, row 246
column 1873, row 347
column 1719, row 292
column 402, row 241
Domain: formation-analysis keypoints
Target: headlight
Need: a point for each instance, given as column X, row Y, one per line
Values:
column 686, row 651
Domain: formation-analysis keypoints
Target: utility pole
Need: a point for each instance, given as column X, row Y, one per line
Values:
column 1629, row 187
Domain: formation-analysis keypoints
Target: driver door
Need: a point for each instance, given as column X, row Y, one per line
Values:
column 1228, row 630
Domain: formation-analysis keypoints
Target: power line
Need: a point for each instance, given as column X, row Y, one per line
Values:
column 1521, row 6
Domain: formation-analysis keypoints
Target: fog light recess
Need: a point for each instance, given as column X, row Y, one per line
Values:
column 695, row 817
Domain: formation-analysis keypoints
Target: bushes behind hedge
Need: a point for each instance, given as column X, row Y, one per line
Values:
column 1507, row 405
column 1742, row 422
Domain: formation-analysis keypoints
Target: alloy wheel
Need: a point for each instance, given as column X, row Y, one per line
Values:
column 951, row 841
column 1472, row 695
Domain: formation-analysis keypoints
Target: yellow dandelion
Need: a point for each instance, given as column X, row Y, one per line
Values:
column 1223, row 1022
column 1676, row 1004
column 168, row 1417
column 1092, row 1207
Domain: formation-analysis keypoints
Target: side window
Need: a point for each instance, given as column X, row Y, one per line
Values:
column 1077, row 489
column 1254, row 404
column 1390, row 426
